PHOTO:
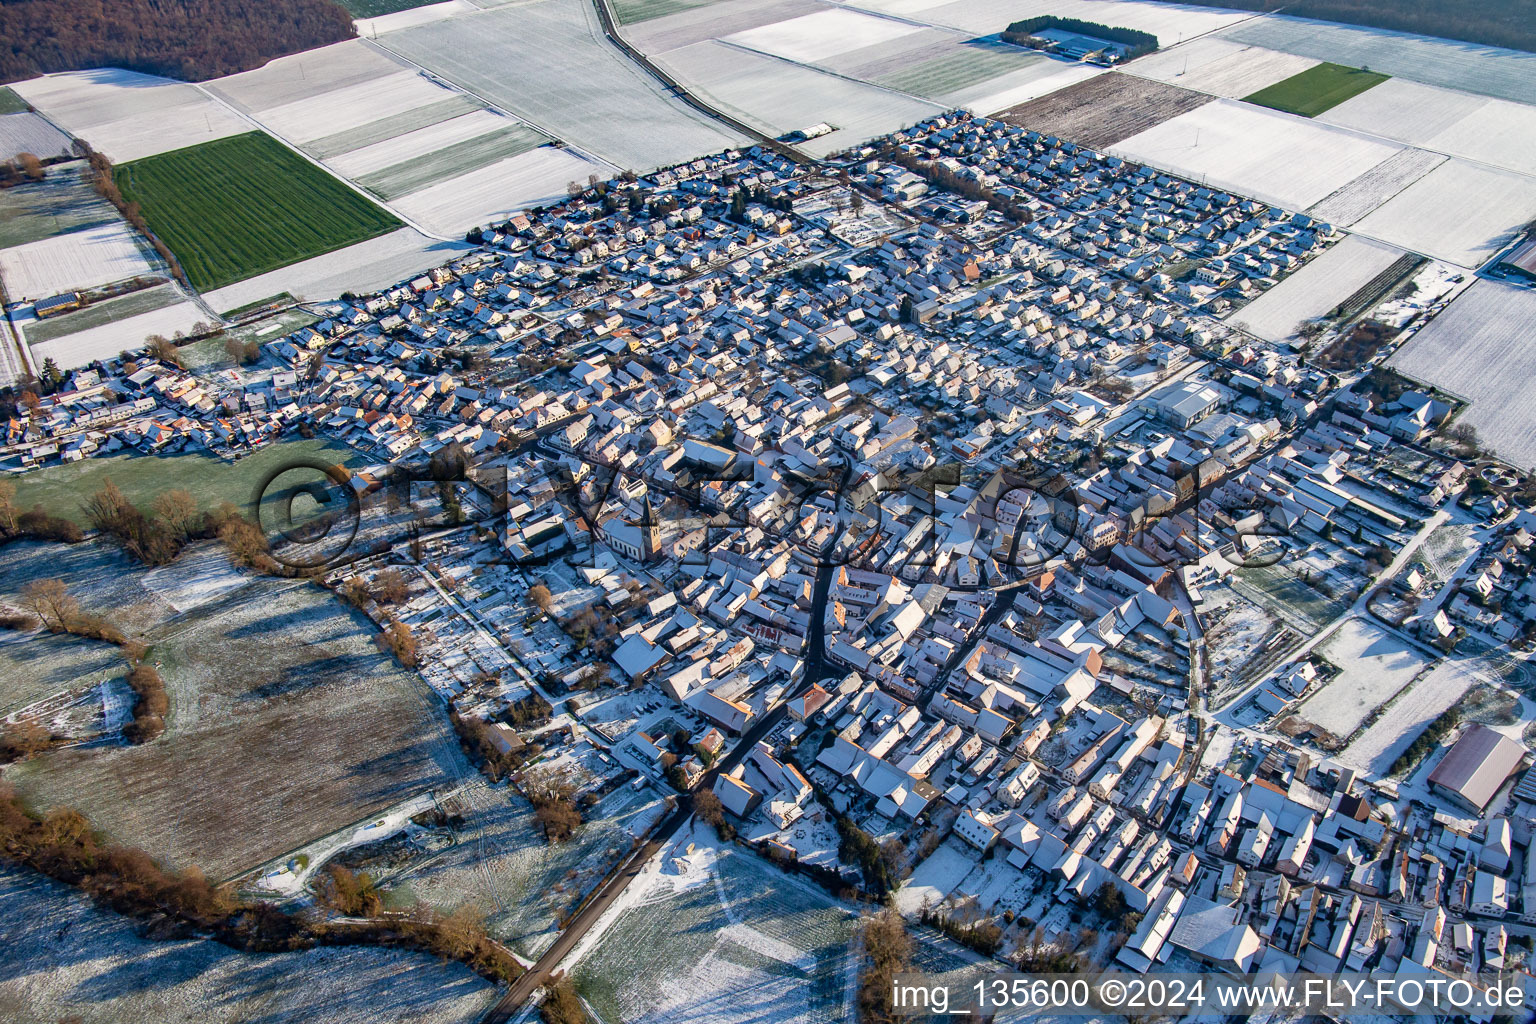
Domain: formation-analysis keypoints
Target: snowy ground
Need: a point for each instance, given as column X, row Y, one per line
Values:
column 1481, row 348
column 1378, row 746
column 1316, row 288
column 80, row 259
column 936, row 877
column 64, row 959
column 1258, row 152
column 1373, row 666
column 718, row 935
column 126, row 115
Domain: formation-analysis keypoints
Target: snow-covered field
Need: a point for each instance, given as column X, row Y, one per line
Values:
column 1258, row 152
column 780, row 97
column 418, row 143
column 815, row 37
column 1373, row 666
column 311, row 73
column 81, row 259
column 936, row 877
column 550, row 64
column 1377, row 747
column 717, row 937
column 1444, row 62
column 1220, row 67
column 127, row 115
column 1492, row 131
column 1482, row 348
column 364, row 267
column 68, row 960
column 350, row 106
column 1376, row 186
column 29, row 133
column 491, row 193
column 1316, row 288
column 1460, row 212
column 108, row 340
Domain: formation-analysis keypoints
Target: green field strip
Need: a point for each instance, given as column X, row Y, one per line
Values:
column 955, row 71
column 1317, row 89
column 389, row 127
column 632, row 12
column 10, row 103
column 237, row 207
column 440, row 165
column 99, row 313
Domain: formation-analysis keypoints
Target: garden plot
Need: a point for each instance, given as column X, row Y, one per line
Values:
column 1373, row 667
column 780, row 97
column 492, row 193
column 286, row 724
column 1219, row 67
column 68, row 959
column 325, row 114
column 107, row 340
column 29, row 133
column 550, row 64
column 1460, row 212
column 1102, row 111
column 720, row 937
column 1316, row 288
column 1480, row 69
column 82, row 259
column 1482, row 348
column 1358, row 198
column 361, row 268
column 302, row 75
column 934, row 879
column 811, row 38
column 1375, row 749
column 1263, row 153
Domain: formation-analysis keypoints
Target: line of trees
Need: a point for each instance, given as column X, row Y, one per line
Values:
column 1426, row 741
column 1137, row 43
column 104, row 180
column 24, row 168
column 63, row 846
column 188, row 39
column 887, row 952
column 32, row 524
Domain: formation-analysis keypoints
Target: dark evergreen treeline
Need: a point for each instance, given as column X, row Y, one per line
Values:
column 1137, row 43
column 186, row 39
column 1509, row 23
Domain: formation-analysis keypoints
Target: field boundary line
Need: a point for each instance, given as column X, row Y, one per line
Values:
column 258, row 126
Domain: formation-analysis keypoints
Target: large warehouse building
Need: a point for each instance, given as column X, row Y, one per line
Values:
column 1476, row 766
